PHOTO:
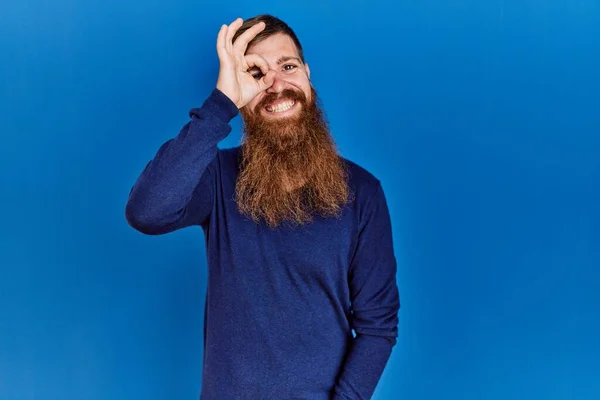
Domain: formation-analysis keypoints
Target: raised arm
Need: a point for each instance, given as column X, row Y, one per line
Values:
column 176, row 188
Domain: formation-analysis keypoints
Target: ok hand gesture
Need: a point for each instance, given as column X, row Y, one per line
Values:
column 234, row 79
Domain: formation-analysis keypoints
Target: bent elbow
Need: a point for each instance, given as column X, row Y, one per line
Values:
column 142, row 221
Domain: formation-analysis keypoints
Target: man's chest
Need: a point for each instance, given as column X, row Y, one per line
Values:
column 318, row 251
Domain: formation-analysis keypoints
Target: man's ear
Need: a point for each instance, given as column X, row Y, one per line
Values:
column 307, row 70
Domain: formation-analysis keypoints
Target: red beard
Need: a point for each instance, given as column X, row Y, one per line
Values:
column 290, row 167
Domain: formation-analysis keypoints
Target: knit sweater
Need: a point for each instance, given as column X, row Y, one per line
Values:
column 281, row 303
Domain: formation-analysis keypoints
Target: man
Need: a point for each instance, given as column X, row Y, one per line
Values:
column 299, row 240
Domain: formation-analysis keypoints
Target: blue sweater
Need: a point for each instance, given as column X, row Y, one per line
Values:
column 281, row 303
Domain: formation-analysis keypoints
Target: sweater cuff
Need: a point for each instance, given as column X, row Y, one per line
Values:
column 219, row 105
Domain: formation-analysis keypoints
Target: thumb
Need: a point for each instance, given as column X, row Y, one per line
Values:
column 267, row 81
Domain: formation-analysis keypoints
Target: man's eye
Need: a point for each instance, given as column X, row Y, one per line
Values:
column 257, row 75
column 292, row 66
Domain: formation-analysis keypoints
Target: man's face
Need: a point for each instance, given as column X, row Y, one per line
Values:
column 282, row 56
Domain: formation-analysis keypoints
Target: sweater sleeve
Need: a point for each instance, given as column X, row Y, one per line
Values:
column 375, row 302
column 176, row 188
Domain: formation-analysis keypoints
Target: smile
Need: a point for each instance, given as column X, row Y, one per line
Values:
column 280, row 107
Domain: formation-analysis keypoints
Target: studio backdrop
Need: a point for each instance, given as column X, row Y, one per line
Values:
column 480, row 118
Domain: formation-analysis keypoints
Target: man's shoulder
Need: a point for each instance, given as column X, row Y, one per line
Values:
column 358, row 175
column 362, row 183
column 230, row 154
column 230, row 151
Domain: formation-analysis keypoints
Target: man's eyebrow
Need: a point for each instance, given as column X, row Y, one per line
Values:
column 288, row 58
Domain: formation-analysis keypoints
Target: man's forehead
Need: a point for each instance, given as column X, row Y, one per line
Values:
column 276, row 49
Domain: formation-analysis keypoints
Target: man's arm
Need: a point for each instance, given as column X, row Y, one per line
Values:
column 176, row 189
column 375, row 303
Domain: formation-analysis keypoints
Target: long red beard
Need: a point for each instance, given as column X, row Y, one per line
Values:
column 290, row 168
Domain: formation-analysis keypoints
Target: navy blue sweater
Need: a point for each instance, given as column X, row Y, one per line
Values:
column 281, row 303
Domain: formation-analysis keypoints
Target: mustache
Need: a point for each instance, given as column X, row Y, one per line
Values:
column 286, row 93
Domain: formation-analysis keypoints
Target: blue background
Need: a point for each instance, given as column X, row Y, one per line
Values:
column 481, row 118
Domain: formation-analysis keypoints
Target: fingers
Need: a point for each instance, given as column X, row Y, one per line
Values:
column 221, row 47
column 227, row 32
column 267, row 81
column 254, row 60
column 225, row 36
column 242, row 41
column 233, row 27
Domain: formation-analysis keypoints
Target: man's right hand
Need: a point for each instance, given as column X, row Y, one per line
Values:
column 235, row 81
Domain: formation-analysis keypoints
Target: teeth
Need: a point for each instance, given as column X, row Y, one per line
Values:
column 281, row 107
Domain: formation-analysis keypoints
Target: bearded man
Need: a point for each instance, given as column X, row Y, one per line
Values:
column 298, row 238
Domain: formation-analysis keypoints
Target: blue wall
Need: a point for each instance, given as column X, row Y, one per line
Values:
column 481, row 118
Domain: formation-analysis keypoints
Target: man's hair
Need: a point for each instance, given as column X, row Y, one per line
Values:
column 273, row 25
